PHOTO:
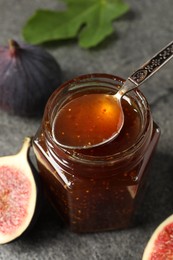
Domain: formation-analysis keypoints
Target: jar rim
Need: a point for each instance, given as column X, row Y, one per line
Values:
column 83, row 158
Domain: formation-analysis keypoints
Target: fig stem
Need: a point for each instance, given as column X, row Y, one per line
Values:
column 26, row 145
column 13, row 47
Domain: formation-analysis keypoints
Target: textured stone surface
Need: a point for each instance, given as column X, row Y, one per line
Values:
column 146, row 29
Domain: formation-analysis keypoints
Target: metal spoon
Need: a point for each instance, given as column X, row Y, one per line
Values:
column 134, row 81
column 140, row 76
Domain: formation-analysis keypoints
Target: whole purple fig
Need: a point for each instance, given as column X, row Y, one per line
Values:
column 28, row 76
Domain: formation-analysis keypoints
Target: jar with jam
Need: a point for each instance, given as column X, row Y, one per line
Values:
column 99, row 188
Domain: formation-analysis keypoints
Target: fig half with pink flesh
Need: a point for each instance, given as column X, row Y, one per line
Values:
column 160, row 245
column 18, row 194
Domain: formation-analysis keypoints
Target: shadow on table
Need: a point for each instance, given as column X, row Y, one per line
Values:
column 158, row 201
column 47, row 226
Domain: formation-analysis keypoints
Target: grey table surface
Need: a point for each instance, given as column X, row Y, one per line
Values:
column 146, row 29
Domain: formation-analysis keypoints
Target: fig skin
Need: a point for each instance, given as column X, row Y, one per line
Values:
column 28, row 76
column 160, row 244
column 21, row 191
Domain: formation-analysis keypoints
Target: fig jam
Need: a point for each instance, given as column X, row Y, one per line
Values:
column 75, row 127
column 88, row 120
column 100, row 188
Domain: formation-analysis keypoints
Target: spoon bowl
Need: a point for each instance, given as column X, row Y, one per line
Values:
column 103, row 109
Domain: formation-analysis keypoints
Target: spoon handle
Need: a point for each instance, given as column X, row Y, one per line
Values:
column 148, row 68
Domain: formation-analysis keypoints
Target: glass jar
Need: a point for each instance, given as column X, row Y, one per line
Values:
column 101, row 188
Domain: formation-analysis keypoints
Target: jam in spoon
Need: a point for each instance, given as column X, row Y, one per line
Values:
column 80, row 123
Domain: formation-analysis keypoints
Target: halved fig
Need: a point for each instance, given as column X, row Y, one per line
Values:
column 160, row 245
column 18, row 194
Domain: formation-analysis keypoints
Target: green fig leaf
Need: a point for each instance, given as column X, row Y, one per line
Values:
column 90, row 21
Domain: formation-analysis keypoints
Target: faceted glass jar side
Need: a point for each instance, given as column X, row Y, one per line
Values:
column 101, row 189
